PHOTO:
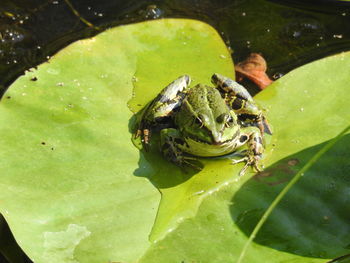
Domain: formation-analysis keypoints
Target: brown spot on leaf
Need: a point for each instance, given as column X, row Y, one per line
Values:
column 281, row 173
column 278, row 182
column 293, row 162
column 263, row 174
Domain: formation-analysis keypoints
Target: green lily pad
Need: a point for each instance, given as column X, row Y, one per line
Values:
column 74, row 188
column 306, row 108
column 70, row 189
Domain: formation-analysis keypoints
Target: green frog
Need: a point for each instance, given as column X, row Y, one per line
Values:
column 205, row 121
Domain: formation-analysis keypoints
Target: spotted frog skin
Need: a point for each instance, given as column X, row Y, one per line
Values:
column 205, row 121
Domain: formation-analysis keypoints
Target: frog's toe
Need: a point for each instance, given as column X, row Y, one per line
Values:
column 263, row 126
column 144, row 134
column 249, row 161
column 244, row 169
column 256, row 167
column 244, row 159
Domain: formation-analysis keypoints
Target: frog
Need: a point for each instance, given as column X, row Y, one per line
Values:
column 205, row 121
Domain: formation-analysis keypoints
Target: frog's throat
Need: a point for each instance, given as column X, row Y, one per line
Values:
column 203, row 149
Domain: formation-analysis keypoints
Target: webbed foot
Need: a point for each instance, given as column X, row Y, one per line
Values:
column 249, row 161
column 170, row 147
column 144, row 133
column 254, row 152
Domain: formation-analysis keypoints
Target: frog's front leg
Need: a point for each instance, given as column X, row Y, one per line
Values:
column 242, row 103
column 162, row 107
column 255, row 149
column 171, row 144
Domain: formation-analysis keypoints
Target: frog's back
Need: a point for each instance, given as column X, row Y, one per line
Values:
column 205, row 98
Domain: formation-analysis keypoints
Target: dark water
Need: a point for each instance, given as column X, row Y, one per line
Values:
column 288, row 33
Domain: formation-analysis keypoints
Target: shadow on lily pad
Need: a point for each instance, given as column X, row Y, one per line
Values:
column 152, row 165
column 10, row 251
column 313, row 218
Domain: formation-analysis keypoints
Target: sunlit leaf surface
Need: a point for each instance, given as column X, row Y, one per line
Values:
column 70, row 187
column 306, row 108
column 74, row 188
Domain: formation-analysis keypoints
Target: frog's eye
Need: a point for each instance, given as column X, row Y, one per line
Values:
column 229, row 122
column 222, row 118
column 198, row 121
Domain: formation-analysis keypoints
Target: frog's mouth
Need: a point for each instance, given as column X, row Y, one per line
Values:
column 215, row 140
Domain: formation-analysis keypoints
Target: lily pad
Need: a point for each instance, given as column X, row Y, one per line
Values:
column 75, row 189
column 68, row 187
column 306, row 108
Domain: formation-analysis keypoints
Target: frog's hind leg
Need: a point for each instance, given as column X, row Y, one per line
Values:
column 249, row 113
column 174, row 90
column 242, row 103
column 229, row 86
column 161, row 108
column 171, row 143
column 255, row 150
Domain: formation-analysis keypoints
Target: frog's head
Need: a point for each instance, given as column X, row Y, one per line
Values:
column 205, row 116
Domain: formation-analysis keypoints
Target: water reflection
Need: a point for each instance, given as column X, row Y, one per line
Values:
column 303, row 32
